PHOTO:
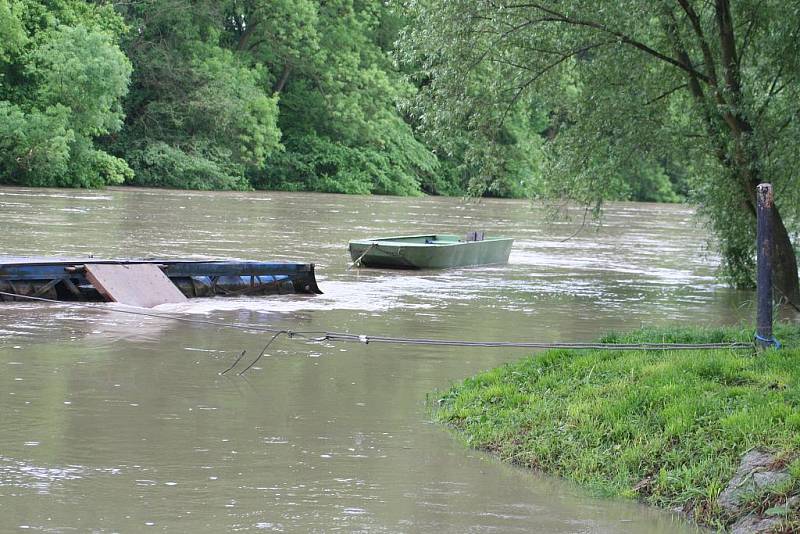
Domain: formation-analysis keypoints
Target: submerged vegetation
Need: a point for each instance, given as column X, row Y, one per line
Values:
column 668, row 428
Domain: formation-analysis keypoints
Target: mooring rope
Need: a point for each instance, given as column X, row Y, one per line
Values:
column 323, row 335
column 357, row 263
column 263, row 351
column 333, row 336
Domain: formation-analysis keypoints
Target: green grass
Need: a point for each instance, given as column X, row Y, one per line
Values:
column 668, row 428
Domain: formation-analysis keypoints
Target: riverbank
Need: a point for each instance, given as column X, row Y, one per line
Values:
column 667, row 428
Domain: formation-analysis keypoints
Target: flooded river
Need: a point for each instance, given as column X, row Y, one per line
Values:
column 122, row 423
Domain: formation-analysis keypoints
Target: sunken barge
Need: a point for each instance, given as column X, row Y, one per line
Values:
column 92, row 279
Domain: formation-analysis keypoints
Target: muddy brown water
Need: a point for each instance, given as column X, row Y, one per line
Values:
column 121, row 423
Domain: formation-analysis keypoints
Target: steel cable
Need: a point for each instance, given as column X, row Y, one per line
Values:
column 322, row 335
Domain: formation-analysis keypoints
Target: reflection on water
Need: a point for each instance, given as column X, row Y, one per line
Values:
column 20, row 474
column 116, row 422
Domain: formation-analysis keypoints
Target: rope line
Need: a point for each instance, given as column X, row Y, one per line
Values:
column 357, row 263
column 235, row 362
column 771, row 341
column 322, row 335
column 264, row 350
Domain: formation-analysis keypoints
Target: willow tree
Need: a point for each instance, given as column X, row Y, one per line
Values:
column 712, row 86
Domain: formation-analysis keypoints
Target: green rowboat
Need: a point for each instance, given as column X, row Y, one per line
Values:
column 430, row 251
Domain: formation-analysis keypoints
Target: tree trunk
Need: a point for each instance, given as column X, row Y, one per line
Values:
column 244, row 37
column 784, row 264
column 281, row 83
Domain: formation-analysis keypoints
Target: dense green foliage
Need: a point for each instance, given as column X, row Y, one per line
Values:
column 269, row 94
column 197, row 116
column 276, row 94
column 665, row 427
column 639, row 93
column 338, row 101
column 62, row 76
column 583, row 101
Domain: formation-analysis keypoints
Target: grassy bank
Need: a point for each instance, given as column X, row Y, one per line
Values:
column 668, row 428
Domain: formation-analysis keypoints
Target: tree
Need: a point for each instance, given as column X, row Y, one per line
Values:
column 338, row 93
column 710, row 86
column 62, row 76
column 12, row 33
column 198, row 116
column 287, row 94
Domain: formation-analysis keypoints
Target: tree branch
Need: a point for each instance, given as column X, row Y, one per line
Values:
column 671, row 29
column 698, row 30
column 544, row 71
column 773, row 90
column 281, row 83
column 500, row 38
column 728, row 47
column 666, row 94
column 560, row 17
column 251, row 25
column 746, row 41
column 730, row 68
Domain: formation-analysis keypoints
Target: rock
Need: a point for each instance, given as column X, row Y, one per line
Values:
column 752, row 524
column 756, row 472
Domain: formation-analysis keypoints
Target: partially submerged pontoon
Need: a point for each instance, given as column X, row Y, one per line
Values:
column 66, row 279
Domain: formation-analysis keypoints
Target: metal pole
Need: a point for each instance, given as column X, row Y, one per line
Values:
column 765, row 202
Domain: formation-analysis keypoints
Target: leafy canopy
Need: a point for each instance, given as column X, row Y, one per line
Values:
column 198, row 115
column 710, row 88
column 62, row 76
column 338, row 98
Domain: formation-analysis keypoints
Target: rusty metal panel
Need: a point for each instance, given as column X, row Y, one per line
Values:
column 137, row 284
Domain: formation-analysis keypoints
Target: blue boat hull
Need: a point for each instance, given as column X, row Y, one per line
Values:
column 64, row 279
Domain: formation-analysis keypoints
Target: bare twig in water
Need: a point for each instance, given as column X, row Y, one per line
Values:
column 234, row 363
column 581, row 227
column 263, row 351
